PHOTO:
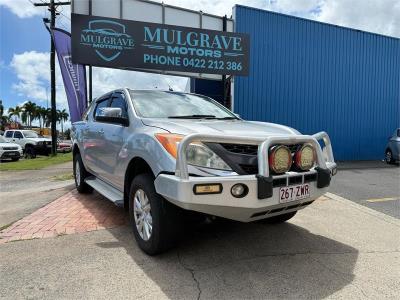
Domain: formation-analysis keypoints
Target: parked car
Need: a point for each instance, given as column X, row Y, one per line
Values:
column 9, row 150
column 392, row 152
column 63, row 146
column 160, row 154
column 32, row 144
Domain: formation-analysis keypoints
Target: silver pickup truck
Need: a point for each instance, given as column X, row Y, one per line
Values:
column 160, row 154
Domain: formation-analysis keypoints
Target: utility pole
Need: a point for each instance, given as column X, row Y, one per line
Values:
column 52, row 6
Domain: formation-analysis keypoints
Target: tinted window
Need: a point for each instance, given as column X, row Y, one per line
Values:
column 118, row 100
column 18, row 135
column 9, row 134
column 99, row 105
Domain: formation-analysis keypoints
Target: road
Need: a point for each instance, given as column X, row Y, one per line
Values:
column 372, row 184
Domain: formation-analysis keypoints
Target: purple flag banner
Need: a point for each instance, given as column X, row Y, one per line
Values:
column 74, row 75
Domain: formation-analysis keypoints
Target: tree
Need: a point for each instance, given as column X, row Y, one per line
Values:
column 62, row 116
column 30, row 112
column 15, row 111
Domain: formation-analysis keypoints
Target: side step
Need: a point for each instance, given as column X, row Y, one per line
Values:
column 106, row 190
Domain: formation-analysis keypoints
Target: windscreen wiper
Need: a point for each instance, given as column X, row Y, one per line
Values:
column 193, row 117
column 228, row 118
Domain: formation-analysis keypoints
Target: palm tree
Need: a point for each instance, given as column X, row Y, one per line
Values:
column 41, row 115
column 30, row 110
column 47, row 117
column 15, row 111
column 62, row 116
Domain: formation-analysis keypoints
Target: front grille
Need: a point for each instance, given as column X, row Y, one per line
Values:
column 250, row 169
column 10, row 148
column 241, row 149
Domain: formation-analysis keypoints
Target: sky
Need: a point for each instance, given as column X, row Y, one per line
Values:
column 25, row 44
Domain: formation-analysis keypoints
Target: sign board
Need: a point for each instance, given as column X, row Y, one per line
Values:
column 155, row 12
column 116, row 43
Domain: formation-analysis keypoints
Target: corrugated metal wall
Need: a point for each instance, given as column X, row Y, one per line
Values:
column 314, row 76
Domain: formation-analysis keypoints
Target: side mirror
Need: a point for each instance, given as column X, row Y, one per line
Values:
column 112, row 115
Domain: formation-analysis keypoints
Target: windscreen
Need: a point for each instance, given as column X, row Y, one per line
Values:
column 158, row 104
column 30, row 134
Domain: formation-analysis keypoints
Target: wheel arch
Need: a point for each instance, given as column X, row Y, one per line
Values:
column 136, row 166
column 75, row 150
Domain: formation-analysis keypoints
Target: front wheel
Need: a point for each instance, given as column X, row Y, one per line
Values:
column 80, row 174
column 155, row 221
column 389, row 157
column 30, row 152
column 279, row 219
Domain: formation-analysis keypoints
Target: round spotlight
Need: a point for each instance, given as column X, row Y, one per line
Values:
column 305, row 157
column 239, row 190
column 280, row 159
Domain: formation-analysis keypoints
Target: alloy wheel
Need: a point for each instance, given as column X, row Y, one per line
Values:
column 77, row 173
column 142, row 214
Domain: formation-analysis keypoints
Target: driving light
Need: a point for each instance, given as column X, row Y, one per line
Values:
column 280, row 159
column 305, row 157
column 239, row 190
column 197, row 154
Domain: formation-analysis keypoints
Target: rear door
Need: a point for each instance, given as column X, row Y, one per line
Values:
column 115, row 137
column 94, row 142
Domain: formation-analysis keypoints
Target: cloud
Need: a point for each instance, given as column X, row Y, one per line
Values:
column 23, row 9
column 381, row 16
column 32, row 71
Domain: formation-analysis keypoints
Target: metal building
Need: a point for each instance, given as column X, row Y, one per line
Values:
column 314, row 76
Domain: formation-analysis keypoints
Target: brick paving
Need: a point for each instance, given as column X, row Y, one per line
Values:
column 69, row 214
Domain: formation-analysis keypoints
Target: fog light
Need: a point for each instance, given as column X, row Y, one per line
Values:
column 239, row 190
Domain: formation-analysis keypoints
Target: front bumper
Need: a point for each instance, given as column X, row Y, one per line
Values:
column 11, row 154
column 262, row 199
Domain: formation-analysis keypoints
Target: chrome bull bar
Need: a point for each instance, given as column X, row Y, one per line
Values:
column 264, row 144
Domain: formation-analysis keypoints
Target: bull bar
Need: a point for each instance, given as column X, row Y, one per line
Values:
column 178, row 187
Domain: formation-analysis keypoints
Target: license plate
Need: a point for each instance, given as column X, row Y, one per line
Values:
column 12, row 153
column 294, row 192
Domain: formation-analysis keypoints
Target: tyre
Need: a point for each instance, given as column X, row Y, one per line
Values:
column 15, row 159
column 30, row 152
column 80, row 174
column 279, row 219
column 389, row 157
column 155, row 221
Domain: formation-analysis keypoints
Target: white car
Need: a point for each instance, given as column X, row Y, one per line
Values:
column 9, row 150
column 30, row 142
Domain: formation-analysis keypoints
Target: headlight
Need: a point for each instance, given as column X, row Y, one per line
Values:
column 197, row 154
